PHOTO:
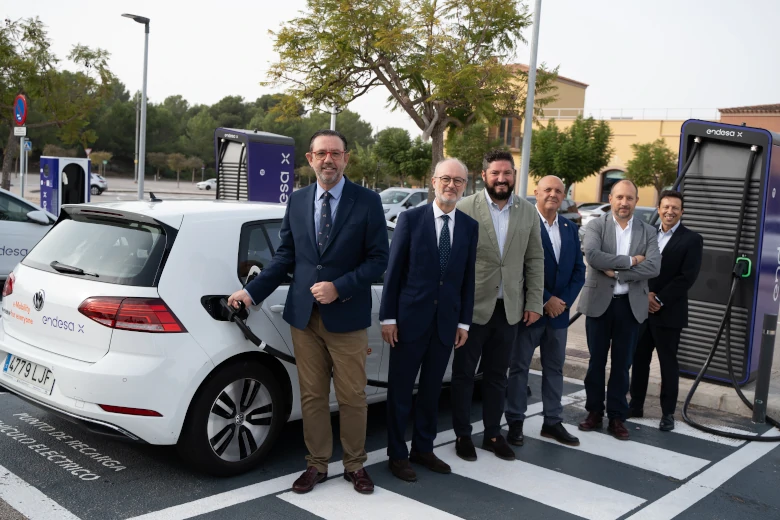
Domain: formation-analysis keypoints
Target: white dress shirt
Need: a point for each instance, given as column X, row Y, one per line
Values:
column 554, row 232
column 623, row 242
column 664, row 237
column 500, row 219
column 439, row 224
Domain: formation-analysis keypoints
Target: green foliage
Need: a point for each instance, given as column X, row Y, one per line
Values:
column 654, row 164
column 157, row 160
column 574, row 154
column 470, row 144
column 52, row 150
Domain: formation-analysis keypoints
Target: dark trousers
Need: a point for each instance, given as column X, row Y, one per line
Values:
column 493, row 342
column 616, row 330
column 552, row 349
column 428, row 356
column 665, row 342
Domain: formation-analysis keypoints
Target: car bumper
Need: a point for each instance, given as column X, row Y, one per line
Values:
column 151, row 381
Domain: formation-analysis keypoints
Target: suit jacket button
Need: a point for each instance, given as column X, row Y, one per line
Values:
column 319, row 267
column 435, row 302
column 441, row 283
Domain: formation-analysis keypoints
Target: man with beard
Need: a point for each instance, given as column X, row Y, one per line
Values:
column 334, row 243
column 427, row 304
column 509, row 287
column 622, row 254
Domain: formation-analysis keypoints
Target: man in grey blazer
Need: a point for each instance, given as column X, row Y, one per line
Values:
column 509, row 287
column 622, row 255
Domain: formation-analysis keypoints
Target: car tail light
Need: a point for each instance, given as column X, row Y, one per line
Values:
column 138, row 314
column 130, row 411
column 8, row 288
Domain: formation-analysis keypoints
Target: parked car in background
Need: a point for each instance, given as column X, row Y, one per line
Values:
column 398, row 200
column 22, row 225
column 642, row 212
column 591, row 210
column 210, row 184
column 97, row 184
column 568, row 209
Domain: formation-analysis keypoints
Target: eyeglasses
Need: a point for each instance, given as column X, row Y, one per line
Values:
column 320, row 156
column 454, row 180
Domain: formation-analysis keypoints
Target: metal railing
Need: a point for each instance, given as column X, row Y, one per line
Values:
column 675, row 114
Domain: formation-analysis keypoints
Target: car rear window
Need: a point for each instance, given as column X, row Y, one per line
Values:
column 107, row 250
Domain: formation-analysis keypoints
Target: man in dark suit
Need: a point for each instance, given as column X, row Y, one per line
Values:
column 334, row 243
column 426, row 309
column 681, row 253
column 622, row 254
column 564, row 274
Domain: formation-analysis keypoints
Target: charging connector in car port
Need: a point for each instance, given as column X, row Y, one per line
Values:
column 743, row 267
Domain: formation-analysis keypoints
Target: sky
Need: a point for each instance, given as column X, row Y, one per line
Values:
column 633, row 54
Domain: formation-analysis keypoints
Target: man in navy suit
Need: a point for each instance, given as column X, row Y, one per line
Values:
column 564, row 275
column 426, row 309
column 334, row 243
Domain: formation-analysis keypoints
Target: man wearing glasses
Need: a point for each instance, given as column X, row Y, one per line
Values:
column 334, row 243
column 509, row 288
column 427, row 303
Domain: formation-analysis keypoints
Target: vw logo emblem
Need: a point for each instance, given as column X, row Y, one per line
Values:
column 38, row 300
column 239, row 419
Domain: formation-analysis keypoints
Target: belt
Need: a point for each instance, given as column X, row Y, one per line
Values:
column 624, row 295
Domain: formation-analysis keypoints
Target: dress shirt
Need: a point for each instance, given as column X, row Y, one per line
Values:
column 439, row 223
column 335, row 193
column 500, row 219
column 623, row 243
column 664, row 237
column 554, row 233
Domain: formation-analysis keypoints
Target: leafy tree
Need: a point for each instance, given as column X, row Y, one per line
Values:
column 157, row 160
column 417, row 160
column 194, row 163
column 470, row 144
column 654, row 164
column 574, row 154
column 98, row 158
column 392, row 145
column 364, row 165
column 442, row 61
column 198, row 139
column 52, row 150
column 177, row 162
column 62, row 98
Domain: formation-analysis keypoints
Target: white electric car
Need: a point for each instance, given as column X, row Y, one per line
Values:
column 22, row 225
column 113, row 321
column 209, row 184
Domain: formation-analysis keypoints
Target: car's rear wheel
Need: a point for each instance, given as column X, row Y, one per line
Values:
column 208, row 187
column 234, row 420
column 94, row 190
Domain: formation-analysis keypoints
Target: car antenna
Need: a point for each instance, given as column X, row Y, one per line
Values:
column 153, row 198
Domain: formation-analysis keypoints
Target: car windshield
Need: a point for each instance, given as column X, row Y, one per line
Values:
column 644, row 213
column 393, row 196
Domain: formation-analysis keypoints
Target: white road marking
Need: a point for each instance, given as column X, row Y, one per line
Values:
column 644, row 456
column 685, row 496
column 567, row 379
column 28, row 500
column 551, row 488
column 683, row 429
column 337, row 500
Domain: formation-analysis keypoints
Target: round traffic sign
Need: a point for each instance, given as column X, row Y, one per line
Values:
column 20, row 110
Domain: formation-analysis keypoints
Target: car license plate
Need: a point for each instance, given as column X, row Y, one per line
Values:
column 32, row 374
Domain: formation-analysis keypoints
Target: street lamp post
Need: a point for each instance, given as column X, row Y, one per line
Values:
column 142, row 140
column 525, row 157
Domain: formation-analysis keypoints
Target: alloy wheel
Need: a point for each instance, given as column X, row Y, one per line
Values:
column 240, row 420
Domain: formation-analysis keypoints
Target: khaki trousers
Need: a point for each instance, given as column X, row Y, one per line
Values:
column 318, row 354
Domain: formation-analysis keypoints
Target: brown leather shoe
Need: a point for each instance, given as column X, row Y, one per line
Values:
column 310, row 478
column 617, row 429
column 360, row 481
column 430, row 461
column 403, row 470
column 592, row 422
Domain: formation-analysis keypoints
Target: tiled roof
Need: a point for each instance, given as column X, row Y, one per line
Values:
column 754, row 109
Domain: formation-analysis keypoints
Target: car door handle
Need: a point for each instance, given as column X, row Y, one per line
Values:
column 277, row 308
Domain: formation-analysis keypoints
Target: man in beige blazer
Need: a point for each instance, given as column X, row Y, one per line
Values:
column 509, row 288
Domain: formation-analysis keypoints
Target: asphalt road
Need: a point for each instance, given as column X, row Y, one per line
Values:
column 655, row 476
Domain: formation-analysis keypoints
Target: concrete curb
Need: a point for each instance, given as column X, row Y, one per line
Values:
column 708, row 395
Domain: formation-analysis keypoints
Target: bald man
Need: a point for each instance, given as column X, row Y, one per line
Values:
column 564, row 274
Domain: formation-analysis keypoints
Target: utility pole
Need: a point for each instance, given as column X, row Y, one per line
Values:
column 529, row 105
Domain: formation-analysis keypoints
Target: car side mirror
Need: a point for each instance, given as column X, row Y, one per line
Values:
column 253, row 273
column 39, row 217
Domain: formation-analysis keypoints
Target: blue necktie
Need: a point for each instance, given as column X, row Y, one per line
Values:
column 444, row 245
column 326, row 222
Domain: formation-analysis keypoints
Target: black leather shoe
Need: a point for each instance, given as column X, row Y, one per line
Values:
column 499, row 447
column 667, row 423
column 559, row 433
column 515, row 435
column 464, row 448
column 430, row 461
column 403, row 470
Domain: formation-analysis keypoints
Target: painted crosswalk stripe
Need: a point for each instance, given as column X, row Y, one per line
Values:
column 335, row 500
column 581, row 498
column 683, row 429
column 651, row 458
column 28, row 500
column 671, row 505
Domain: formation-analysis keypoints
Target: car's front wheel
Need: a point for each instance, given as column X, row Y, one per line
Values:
column 233, row 420
column 208, row 187
column 94, row 190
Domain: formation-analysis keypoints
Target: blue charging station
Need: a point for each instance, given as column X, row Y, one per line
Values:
column 254, row 165
column 64, row 180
